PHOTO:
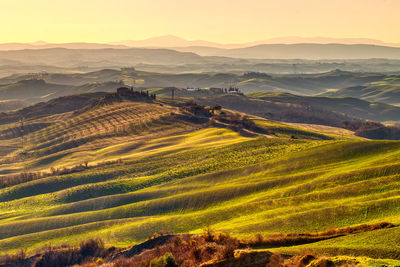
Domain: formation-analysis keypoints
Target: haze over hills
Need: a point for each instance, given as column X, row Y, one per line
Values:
column 115, row 57
column 277, row 106
column 45, row 45
column 264, row 58
column 22, row 86
column 301, row 51
column 257, row 134
column 171, row 41
column 387, row 90
column 31, row 91
column 87, row 161
column 276, row 48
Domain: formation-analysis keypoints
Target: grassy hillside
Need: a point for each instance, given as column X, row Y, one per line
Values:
column 386, row 90
column 153, row 167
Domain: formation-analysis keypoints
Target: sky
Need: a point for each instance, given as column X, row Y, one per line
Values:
column 223, row 21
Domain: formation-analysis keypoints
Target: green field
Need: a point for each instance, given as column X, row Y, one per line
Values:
column 180, row 176
column 384, row 91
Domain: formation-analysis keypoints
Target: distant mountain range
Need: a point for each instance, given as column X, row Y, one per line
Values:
column 172, row 41
column 44, row 45
column 98, row 57
column 167, row 47
column 300, row 51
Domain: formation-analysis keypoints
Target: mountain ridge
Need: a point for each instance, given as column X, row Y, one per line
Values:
column 168, row 41
column 172, row 41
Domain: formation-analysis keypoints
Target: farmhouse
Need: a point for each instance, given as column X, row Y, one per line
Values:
column 124, row 91
column 192, row 89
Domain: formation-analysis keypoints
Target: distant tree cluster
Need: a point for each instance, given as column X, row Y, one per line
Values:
column 127, row 93
column 238, row 122
column 372, row 130
column 256, row 75
column 304, row 114
column 195, row 109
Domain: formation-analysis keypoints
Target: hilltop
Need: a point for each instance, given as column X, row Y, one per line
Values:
column 51, row 107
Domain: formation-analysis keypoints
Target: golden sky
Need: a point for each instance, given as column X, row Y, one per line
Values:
column 224, row 21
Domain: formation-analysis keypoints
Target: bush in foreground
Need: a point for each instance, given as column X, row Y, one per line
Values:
column 210, row 249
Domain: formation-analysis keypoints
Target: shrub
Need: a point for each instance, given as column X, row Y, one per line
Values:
column 165, row 261
column 13, row 259
column 372, row 130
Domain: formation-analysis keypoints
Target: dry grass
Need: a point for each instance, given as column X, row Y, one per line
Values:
column 64, row 255
column 209, row 249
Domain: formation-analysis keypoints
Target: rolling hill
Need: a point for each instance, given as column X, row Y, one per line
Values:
column 272, row 58
column 186, row 51
column 30, row 90
column 105, row 57
column 301, row 51
column 45, row 45
column 125, row 168
column 51, row 107
column 347, row 105
column 57, row 84
column 329, row 111
column 386, row 90
column 171, row 41
column 38, row 90
column 7, row 105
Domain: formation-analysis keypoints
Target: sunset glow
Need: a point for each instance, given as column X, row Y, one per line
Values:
column 224, row 21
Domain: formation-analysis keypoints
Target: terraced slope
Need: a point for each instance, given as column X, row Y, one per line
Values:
column 180, row 176
column 51, row 138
